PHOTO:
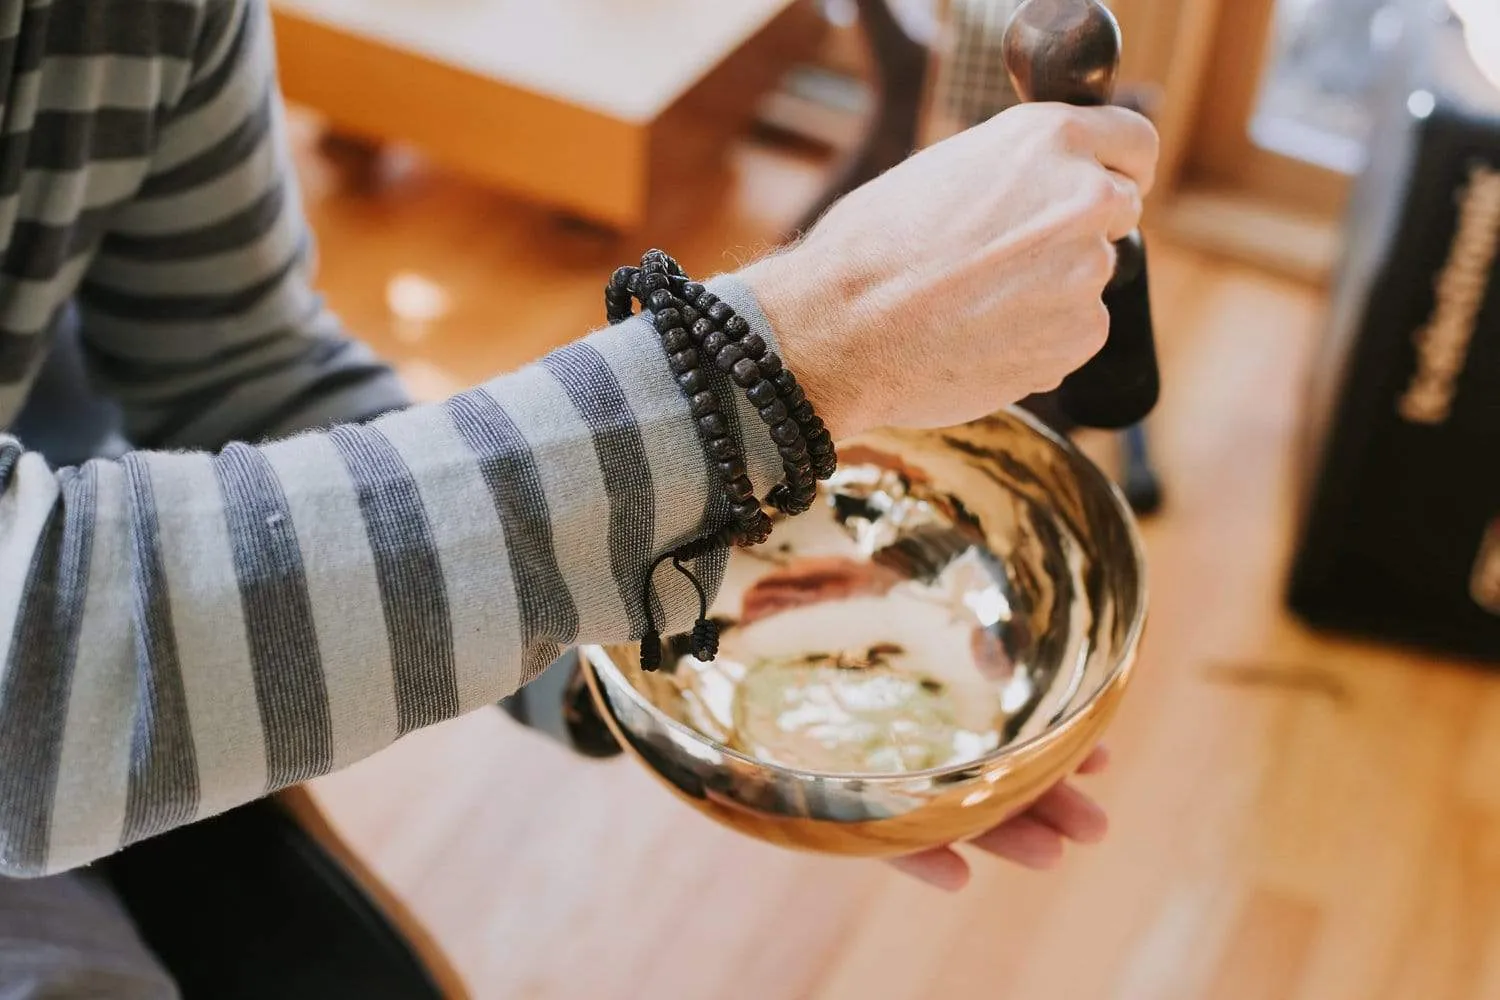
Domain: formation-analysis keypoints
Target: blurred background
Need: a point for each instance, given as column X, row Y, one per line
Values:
column 1306, row 789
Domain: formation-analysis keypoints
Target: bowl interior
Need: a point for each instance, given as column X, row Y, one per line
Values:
column 953, row 595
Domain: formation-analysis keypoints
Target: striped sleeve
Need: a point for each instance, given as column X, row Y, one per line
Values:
column 198, row 308
column 181, row 632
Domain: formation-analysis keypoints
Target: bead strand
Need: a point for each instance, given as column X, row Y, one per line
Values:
column 697, row 331
column 650, row 285
column 746, row 360
column 778, row 398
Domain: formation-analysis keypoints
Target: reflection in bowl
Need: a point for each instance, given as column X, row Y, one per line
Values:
column 930, row 648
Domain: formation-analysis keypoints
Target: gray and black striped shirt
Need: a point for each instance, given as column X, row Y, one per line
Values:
column 185, row 629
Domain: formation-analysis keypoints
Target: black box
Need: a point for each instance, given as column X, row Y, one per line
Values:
column 1400, row 527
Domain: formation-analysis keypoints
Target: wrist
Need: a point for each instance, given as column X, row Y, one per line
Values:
column 811, row 332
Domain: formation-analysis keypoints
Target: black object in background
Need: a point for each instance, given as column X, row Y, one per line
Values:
column 248, row 906
column 1400, row 533
column 1069, row 51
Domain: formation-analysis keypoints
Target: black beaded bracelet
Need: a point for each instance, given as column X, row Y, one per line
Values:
column 744, row 357
column 698, row 330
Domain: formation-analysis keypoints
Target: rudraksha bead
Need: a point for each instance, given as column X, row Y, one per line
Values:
column 694, row 381
column 788, row 502
column 648, row 284
column 714, row 342
column 745, row 373
column 713, row 425
column 704, row 403
column 762, row 393
column 785, row 432
column 754, row 344
column 740, row 489
column 729, row 357
column 774, row 412
column 793, row 452
column 667, row 318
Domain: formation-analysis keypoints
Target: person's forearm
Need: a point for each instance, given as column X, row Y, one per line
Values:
column 182, row 632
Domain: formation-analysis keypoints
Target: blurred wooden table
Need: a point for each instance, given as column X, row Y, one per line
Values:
column 1296, row 817
column 600, row 108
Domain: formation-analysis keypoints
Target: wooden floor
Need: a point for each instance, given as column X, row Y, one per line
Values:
column 1293, row 816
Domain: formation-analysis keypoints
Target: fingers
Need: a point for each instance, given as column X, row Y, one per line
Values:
column 1025, row 841
column 1121, row 140
column 1096, row 761
column 941, row 868
column 1072, row 814
column 1126, row 207
column 1126, row 146
column 1034, row 840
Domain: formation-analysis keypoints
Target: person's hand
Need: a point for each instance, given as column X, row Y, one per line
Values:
column 1034, row 839
column 968, row 277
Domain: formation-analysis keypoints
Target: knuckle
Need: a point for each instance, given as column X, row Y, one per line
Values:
column 1061, row 125
column 1100, row 193
column 1096, row 200
column 1070, row 128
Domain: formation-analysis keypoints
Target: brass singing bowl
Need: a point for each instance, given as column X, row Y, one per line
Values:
column 943, row 638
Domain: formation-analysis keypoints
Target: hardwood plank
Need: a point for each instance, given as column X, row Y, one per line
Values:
column 1272, row 941
column 1275, row 792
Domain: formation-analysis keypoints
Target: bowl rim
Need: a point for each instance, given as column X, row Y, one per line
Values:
column 598, row 659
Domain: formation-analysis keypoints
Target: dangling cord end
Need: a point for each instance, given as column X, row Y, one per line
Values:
column 705, row 630
column 617, row 294
column 651, row 650
column 651, row 640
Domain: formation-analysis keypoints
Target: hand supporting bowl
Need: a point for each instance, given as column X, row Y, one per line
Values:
column 943, row 638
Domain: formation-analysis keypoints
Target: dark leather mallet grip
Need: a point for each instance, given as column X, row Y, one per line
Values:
column 1068, row 51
